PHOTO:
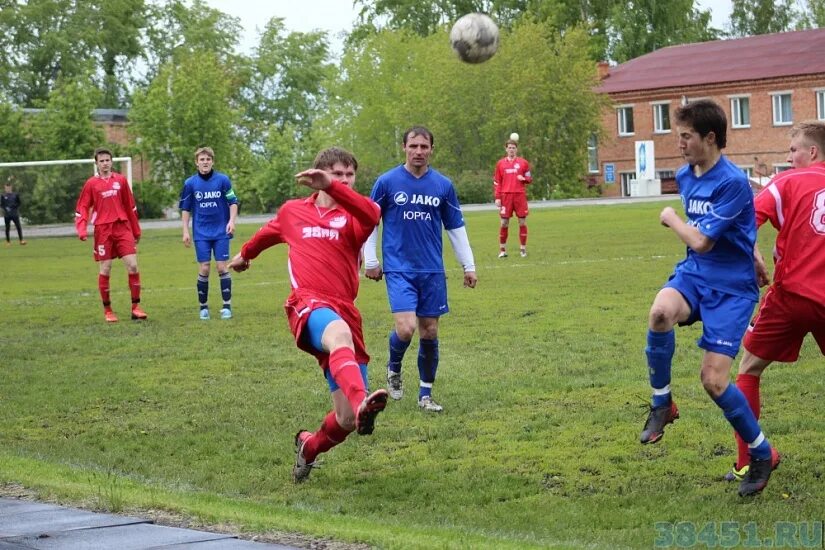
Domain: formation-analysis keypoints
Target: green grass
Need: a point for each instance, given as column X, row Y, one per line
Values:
column 542, row 376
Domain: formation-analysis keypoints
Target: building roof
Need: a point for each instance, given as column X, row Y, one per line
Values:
column 753, row 58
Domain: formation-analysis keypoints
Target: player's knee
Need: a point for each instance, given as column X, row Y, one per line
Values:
column 338, row 335
column 660, row 318
column 713, row 381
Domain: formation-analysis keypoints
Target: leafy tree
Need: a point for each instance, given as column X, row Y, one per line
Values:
column 752, row 17
column 119, row 27
column 286, row 84
column 190, row 103
column 177, row 29
column 638, row 27
column 14, row 141
column 63, row 130
column 811, row 14
column 393, row 80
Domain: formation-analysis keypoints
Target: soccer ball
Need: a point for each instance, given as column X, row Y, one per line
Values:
column 514, row 136
column 474, row 38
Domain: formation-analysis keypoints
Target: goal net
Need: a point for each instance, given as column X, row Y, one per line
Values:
column 49, row 189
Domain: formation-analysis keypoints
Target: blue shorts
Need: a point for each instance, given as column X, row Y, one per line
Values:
column 203, row 250
column 423, row 293
column 314, row 330
column 725, row 317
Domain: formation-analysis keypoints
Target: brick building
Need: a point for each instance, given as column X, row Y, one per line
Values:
column 765, row 84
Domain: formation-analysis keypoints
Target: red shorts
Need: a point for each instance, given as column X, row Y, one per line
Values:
column 113, row 240
column 780, row 325
column 513, row 202
column 302, row 302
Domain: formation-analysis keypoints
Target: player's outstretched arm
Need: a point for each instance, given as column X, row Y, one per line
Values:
column 239, row 263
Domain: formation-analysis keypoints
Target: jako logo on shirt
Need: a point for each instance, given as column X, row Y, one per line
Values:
column 208, row 195
column 425, row 200
column 698, row 207
column 400, row 198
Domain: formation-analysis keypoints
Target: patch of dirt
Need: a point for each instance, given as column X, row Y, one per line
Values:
column 174, row 519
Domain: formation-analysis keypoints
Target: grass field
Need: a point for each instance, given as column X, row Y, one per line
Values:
column 542, row 376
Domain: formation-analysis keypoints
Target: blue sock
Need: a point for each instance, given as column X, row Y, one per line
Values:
column 659, row 350
column 226, row 288
column 427, row 365
column 203, row 290
column 398, row 348
column 739, row 414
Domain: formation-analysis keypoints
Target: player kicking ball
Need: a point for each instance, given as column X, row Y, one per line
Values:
column 325, row 233
column 716, row 283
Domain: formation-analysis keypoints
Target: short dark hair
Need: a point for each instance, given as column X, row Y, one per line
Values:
column 328, row 157
column 704, row 116
column 103, row 151
column 511, row 142
column 418, row 131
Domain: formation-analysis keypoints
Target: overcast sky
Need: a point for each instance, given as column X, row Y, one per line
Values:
column 337, row 16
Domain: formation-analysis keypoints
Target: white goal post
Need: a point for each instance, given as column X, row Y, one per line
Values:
column 128, row 161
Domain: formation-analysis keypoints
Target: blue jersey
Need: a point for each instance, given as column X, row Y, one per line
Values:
column 208, row 199
column 720, row 204
column 413, row 211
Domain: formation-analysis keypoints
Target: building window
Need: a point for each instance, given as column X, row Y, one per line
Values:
column 593, row 154
column 625, row 116
column 740, row 109
column 665, row 174
column 779, row 168
column 820, row 104
column 782, row 115
column 661, row 118
column 748, row 170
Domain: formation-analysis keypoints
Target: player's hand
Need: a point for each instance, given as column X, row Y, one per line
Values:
column 187, row 240
column 470, row 279
column 314, row 178
column 230, row 228
column 761, row 268
column 498, row 203
column 239, row 263
column 137, row 239
column 520, row 177
column 374, row 273
column 82, row 237
column 667, row 215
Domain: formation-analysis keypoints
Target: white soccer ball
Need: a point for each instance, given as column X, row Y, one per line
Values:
column 474, row 37
column 514, row 136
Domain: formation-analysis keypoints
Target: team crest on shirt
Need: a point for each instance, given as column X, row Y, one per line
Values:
column 198, row 195
column 116, row 185
column 401, row 198
column 338, row 222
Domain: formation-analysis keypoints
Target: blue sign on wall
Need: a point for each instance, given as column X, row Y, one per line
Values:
column 610, row 173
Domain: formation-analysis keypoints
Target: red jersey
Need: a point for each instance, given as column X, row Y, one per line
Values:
column 794, row 202
column 111, row 200
column 505, row 178
column 324, row 243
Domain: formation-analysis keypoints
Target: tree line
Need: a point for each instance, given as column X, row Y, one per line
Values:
column 174, row 65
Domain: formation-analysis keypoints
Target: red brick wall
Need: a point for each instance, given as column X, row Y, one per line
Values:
column 763, row 140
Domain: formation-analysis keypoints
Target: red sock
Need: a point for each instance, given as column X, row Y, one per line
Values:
column 328, row 436
column 749, row 385
column 134, row 287
column 103, row 287
column 347, row 374
column 522, row 235
column 503, row 233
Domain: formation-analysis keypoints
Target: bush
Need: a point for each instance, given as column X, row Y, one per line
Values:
column 152, row 198
column 474, row 187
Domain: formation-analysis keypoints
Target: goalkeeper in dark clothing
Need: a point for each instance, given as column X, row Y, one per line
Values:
column 10, row 203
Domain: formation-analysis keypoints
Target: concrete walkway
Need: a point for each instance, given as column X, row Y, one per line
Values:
column 67, row 229
column 27, row 525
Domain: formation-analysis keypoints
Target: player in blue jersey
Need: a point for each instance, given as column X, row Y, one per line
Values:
column 209, row 201
column 416, row 201
column 715, row 283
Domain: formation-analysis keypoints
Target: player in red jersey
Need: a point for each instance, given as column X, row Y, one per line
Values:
column 794, row 305
column 509, row 180
column 117, row 230
column 325, row 233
